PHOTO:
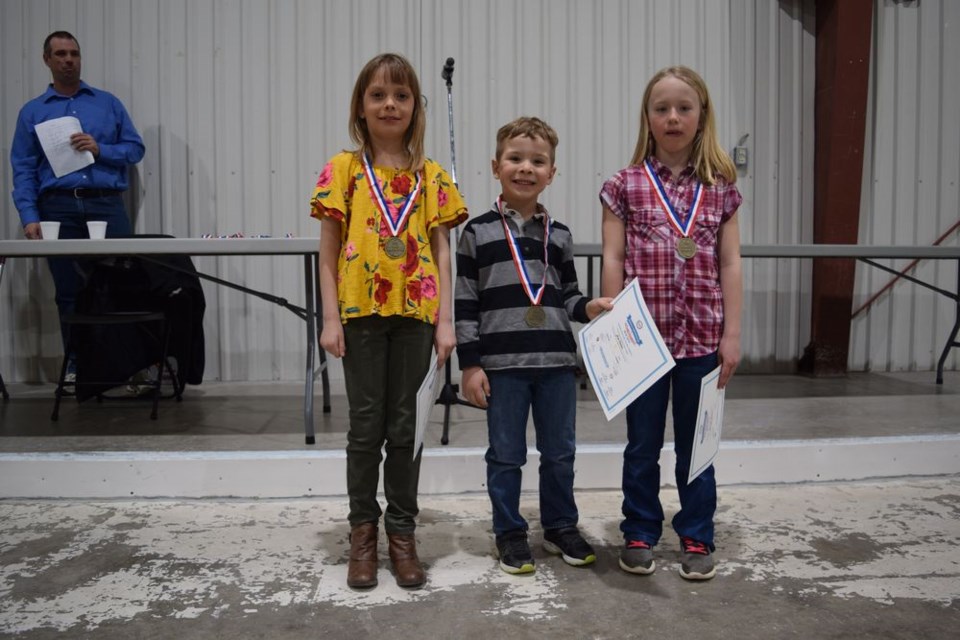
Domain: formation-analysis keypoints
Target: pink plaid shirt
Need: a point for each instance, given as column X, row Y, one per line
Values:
column 683, row 296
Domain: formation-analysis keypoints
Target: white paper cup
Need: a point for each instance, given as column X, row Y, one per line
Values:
column 50, row 230
column 97, row 229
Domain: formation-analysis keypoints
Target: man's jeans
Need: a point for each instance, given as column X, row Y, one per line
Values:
column 73, row 214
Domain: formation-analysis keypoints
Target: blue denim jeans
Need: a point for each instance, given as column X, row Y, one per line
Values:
column 646, row 423
column 552, row 393
column 73, row 214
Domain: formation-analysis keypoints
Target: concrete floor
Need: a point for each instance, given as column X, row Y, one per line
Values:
column 851, row 560
column 874, row 558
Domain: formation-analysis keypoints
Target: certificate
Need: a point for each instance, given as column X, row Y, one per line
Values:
column 623, row 351
column 54, row 136
column 426, row 398
column 706, row 439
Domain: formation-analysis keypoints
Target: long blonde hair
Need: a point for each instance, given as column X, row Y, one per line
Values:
column 398, row 70
column 708, row 157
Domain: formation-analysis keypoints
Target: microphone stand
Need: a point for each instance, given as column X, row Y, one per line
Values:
column 449, row 392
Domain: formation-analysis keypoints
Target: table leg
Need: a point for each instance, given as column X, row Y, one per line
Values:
column 308, row 276
column 952, row 340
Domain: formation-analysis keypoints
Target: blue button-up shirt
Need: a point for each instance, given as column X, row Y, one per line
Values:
column 101, row 115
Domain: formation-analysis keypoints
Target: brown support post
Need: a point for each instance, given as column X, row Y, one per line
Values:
column 842, row 74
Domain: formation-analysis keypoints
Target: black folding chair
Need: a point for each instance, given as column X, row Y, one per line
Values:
column 119, row 328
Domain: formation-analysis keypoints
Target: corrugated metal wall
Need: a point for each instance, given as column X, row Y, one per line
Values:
column 911, row 183
column 240, row 102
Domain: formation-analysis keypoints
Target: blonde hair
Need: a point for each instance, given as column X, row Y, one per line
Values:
column 708, row 157
column 528, row 127
column 396, row 69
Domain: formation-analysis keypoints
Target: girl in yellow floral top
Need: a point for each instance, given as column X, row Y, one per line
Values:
column 385, row 212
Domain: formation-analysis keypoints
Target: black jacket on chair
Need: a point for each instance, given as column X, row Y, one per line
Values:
column 131, row 283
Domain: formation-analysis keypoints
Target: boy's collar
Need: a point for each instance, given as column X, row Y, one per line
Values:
column 510, row 212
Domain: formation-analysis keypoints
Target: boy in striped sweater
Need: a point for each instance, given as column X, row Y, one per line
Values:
column 516, row 293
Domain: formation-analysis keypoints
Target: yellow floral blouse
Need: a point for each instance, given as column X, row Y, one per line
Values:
column 370, row 282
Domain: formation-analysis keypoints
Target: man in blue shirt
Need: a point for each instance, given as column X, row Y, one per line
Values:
column 92, row 193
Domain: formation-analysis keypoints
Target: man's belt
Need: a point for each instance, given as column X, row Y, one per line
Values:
column 81, row 194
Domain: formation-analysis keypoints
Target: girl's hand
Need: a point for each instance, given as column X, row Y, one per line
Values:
column 729, row 355
column 444, row 340
column 331, row 339
column 475, row 386
column 596, row 306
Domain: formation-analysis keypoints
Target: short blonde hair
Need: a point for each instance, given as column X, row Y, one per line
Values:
column 708, row 157
column 528, row 127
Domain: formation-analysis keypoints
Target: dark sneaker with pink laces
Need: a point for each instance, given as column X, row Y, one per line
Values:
column 637, row 557
column 696, row 562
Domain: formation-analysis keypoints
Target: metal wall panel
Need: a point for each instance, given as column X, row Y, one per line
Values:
column 910, row 185
column 240, row 102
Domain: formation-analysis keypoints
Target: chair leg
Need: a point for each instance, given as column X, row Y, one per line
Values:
column 178, row 386
column 165, row 340
column 59, row 392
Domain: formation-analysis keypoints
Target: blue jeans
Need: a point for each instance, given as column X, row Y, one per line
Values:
column 552, row 393
column 646, row 423
column 73, row 214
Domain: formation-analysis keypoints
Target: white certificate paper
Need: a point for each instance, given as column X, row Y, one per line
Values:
column 426, row 398
column 623, row 351
column 54, row 136
column 706, row 439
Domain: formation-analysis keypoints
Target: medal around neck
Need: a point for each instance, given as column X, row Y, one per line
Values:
column 686, row 248
column 535, row 313
column 394, row 247
column 535, row 317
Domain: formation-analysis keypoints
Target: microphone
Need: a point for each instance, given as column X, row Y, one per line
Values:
column 447, row 73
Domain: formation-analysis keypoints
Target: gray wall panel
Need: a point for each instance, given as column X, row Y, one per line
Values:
column 910, row 185
column 241, row 102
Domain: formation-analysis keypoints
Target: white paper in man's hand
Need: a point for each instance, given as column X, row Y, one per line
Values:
column 54, row 136
column 426, row 397
column 706, row 438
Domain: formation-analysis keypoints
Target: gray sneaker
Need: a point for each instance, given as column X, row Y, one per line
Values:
column 637, row 557
column 696, row 562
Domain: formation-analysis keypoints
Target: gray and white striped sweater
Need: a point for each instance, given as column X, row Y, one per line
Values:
column 490, row 303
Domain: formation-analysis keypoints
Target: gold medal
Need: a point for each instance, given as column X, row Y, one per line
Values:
column 395, row 247
column 686, row 247
column 535, row 317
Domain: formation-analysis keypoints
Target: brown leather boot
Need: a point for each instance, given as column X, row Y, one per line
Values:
column 362, row 568
column 406, row 564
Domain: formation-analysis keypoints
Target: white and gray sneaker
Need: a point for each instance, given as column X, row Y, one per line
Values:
column 696, row 561
column 637, row 557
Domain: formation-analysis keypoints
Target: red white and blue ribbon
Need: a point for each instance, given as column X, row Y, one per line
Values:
column 535, row 295
column 682, row 226
column 380, row 200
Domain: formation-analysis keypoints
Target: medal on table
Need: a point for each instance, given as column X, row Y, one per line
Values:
column 686, row 246
column 394, row 246
column 535, row 316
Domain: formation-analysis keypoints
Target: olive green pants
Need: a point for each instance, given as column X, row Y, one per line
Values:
column 385, row 363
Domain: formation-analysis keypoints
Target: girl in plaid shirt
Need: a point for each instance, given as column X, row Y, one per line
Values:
column 670, row 220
